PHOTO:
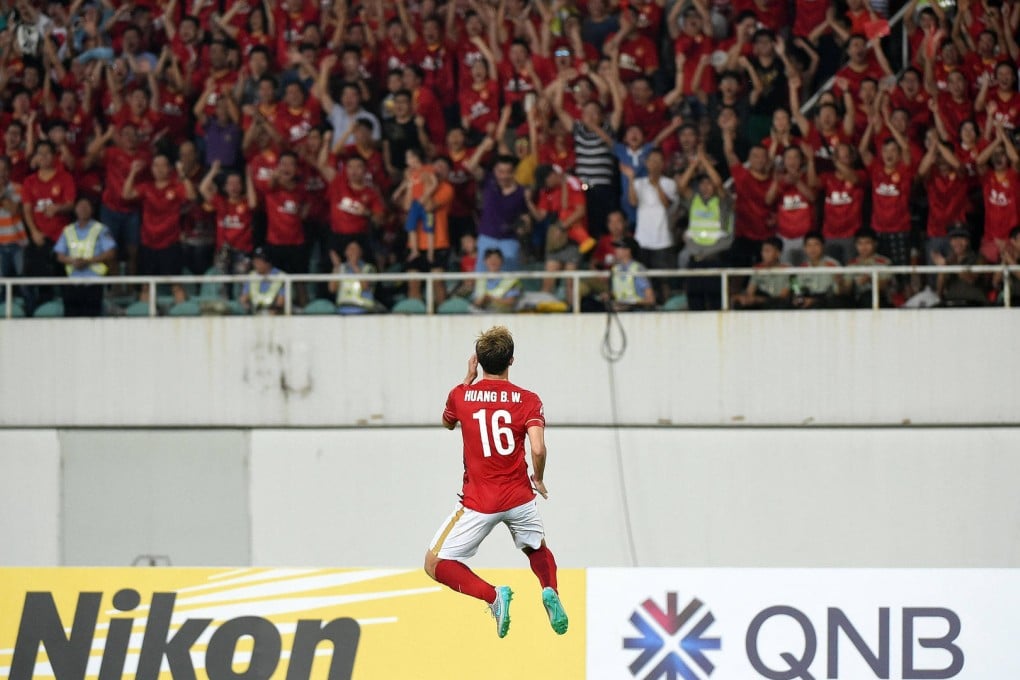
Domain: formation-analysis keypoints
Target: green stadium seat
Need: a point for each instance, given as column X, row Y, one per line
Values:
column 17, row 311
column 186, row 308
column 409, row 306
column 139, row 308
column 454, row 305
column 675, row 303
column 320, row 306
column 50, row 310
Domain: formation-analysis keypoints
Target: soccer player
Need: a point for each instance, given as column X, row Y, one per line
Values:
column 495, row 415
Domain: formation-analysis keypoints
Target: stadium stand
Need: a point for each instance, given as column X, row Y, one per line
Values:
column 201, row 131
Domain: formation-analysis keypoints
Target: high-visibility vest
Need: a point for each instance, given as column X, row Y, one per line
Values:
column 504, row 286
column 705, row 221
column 264, row 299
column 352, row 292
column 624, row 282
column 84, row 248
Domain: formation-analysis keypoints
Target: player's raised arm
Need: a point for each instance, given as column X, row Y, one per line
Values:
column 449, row 415
column 536, row 438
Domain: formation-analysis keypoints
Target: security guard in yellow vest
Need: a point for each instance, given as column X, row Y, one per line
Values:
column 709, row 224
column 263, row 295
column 86, row 249
column 630, row 288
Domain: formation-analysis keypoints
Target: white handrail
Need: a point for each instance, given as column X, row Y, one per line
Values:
column 576, row 277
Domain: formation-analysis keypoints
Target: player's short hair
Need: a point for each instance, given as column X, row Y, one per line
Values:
column 494, row 349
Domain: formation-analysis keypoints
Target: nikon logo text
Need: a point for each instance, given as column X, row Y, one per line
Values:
column 41, row 626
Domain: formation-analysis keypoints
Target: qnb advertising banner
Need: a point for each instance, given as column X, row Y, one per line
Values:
column 292, row 624
column 789, row 624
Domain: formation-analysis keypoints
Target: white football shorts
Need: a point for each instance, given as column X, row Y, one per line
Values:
column 465, row 529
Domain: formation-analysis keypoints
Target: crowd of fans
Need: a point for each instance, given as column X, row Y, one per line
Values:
column 163, row 137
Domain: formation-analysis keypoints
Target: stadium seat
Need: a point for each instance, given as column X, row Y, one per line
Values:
column 186, row 308
column 17, row 311
column 139, row 308
column 409, row 306
column 454, row 305
column 209, row 290
column 51, row 309
column 320, row 306
column 675, row 303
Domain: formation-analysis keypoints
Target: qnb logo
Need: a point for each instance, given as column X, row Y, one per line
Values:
column 672, row 642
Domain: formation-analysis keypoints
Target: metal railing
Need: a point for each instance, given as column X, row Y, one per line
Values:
column 897, row 20
column 152, row 283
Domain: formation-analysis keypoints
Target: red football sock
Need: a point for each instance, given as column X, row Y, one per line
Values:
column 456, row 576
column 544, row 565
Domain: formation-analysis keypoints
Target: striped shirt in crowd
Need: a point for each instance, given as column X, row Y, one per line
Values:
column 594, row 160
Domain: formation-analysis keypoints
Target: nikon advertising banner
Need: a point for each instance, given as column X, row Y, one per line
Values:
column 290, row 624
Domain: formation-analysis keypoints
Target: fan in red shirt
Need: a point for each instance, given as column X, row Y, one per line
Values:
column 295, row 117
column 495, row 417
column 637, row 54
column 47, row 195
column 794, row 201
column 753, row 220
column 945, row 184
column 1000, row 99
column 861, row 65
column 695, row 42
column 953, row 106
column 843, row 212
column 892, row 176
column 163, row 199
column 286, row 207
column 1000, row 183
column 354, row 204
column 479, row 99
column 233, row 210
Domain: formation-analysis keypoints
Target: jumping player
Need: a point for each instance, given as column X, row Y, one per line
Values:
column 495, row 415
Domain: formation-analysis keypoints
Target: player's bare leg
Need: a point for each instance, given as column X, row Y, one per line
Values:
column 458, row 576
column 544, row 565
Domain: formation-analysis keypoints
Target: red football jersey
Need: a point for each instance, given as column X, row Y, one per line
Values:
column 161, row 213
column 494, row 417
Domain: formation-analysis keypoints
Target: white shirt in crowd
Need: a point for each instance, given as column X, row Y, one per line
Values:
column 653, row 230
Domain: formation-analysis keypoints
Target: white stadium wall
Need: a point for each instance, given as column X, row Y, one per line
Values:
column 840, row 368
column 829, row 439
column 690, row 497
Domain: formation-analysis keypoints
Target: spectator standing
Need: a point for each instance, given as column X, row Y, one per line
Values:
column 13, row 237
column 233, row 210
column 162, row 200
column 504, row 209
column 794, row 197
column 655, row 197
column 47, row 195
column 86, row 249
column 121, row 216
column 892, row 177
column 843, row 208
column 1000, row 180
column 286, row 208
